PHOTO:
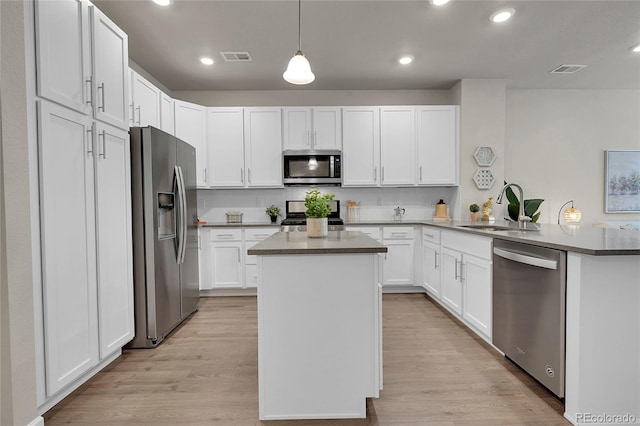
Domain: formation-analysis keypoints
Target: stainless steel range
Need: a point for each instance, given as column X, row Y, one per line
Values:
column 295, row 219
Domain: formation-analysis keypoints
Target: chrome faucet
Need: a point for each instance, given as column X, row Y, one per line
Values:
column 522, row 218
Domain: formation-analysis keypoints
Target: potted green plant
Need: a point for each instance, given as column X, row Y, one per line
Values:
column 530, row 206
column 474, row 209
column 273, row 212
column 318, row 208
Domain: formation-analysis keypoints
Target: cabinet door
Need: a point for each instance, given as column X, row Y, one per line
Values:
column 68, row 244
column 438, row 145
column 297, row 128
column 397, row 146
column 191, row 127
column 327, row 128
column 204, row 259
column 361, row 146
column 398, row 264
column 225, row 137
column 431, row 268
column 63, row 53
column 477, row 277
column 110, row 71
column 263, row 146
column 226, row 265
column 114, row 238
column 166, row 114
column 451, row 282
column 146, row 101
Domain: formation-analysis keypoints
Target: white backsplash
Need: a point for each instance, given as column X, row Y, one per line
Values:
column 375, row 203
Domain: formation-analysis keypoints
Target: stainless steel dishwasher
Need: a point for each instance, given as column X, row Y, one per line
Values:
column 529, row 286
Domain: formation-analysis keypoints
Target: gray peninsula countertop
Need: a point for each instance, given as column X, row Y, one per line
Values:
column 342, row 242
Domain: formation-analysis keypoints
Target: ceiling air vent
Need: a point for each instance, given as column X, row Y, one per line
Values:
column 567, row 69
column 236, row 56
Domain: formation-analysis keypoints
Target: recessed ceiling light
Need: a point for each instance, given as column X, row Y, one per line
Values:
column 502, row 15
column 636, row 49
column 438, row 2
column 163, row 2
column 406, row 60
column 206, row 60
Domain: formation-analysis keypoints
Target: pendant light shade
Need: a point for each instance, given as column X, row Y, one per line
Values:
column 299, row 70
column 571, row 214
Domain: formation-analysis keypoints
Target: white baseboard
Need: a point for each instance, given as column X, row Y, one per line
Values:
column 38, row 421
column 229, row 292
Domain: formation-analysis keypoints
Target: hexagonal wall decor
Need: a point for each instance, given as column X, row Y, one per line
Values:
column 484, row 156
column 483, row 178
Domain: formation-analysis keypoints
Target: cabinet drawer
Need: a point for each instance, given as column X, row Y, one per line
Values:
column 370, row 231
column 472, row 244
column 226, row 234
column 430, row 235
column 258, row 234
column 397, row 232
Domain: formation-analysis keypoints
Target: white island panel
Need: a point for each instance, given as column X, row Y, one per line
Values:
column 319, row 344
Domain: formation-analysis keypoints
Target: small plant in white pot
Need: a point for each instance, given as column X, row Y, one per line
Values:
column 318, row 208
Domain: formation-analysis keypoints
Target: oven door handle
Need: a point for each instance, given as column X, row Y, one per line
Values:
column 526, row 259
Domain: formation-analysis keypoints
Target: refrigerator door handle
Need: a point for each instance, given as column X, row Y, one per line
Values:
column 182, row 199
column 180, row 212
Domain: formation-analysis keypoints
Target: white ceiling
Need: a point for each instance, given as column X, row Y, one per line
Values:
column 355, row 44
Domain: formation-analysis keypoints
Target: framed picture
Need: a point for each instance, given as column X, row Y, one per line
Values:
column 622, row 184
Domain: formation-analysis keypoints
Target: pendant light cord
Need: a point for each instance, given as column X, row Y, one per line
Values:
column 299, row 32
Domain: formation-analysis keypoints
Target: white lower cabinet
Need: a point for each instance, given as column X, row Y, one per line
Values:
column 431, row 261
column 225, row 254
column 87, row 291
column 398, row 268
column 467, row 279
column 253, row 236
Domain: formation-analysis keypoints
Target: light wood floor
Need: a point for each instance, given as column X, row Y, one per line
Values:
column 435, row 373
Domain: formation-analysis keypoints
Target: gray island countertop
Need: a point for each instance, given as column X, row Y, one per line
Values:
column 341, row 242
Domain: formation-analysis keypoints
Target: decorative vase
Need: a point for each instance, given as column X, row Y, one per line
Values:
column 317, row 227
column 474, row 217
column 273, row 219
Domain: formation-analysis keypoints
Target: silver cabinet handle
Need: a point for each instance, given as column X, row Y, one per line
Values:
column 90, row 141
column 90, row 97
column 375, row 174
column 104, row 145
column 241, row 175
column 199, row 243
column 249, row 173
column 238, row 254
column 420, row 173
column 382, row 177
column 435, row 260
column 101, row 87
column 139, row 114
column 132, row 117
column 462, row 265
column 429, row 235
column 205, row 174
column 456, row 269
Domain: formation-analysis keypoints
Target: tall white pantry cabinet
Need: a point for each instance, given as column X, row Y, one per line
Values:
column 81, row 84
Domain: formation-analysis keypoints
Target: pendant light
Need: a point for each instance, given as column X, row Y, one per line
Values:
column 299, row 70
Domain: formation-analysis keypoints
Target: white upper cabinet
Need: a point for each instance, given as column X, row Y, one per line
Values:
column 263, row 147
column 437, row 145
column 225, row 137
column 191, row 127
column 110, row 71
column 317, row 128
column 63, row 51
column 167, row 121
column 397, row 146
column 361, row 146
column 145, row 102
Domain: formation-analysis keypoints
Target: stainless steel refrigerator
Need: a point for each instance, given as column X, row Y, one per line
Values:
column 165, row 234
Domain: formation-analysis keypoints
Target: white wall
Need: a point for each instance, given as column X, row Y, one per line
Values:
column 315, row 97
column 17, row 352
column 555, row 142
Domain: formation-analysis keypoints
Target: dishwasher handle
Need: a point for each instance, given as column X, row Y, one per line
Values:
column 526, row 259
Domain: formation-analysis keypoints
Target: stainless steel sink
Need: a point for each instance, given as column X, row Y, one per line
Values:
column 489, row 227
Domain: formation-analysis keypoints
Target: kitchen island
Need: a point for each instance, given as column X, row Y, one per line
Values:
column 319, row 325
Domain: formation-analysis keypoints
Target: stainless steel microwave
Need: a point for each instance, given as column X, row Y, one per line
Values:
column 312, row 168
